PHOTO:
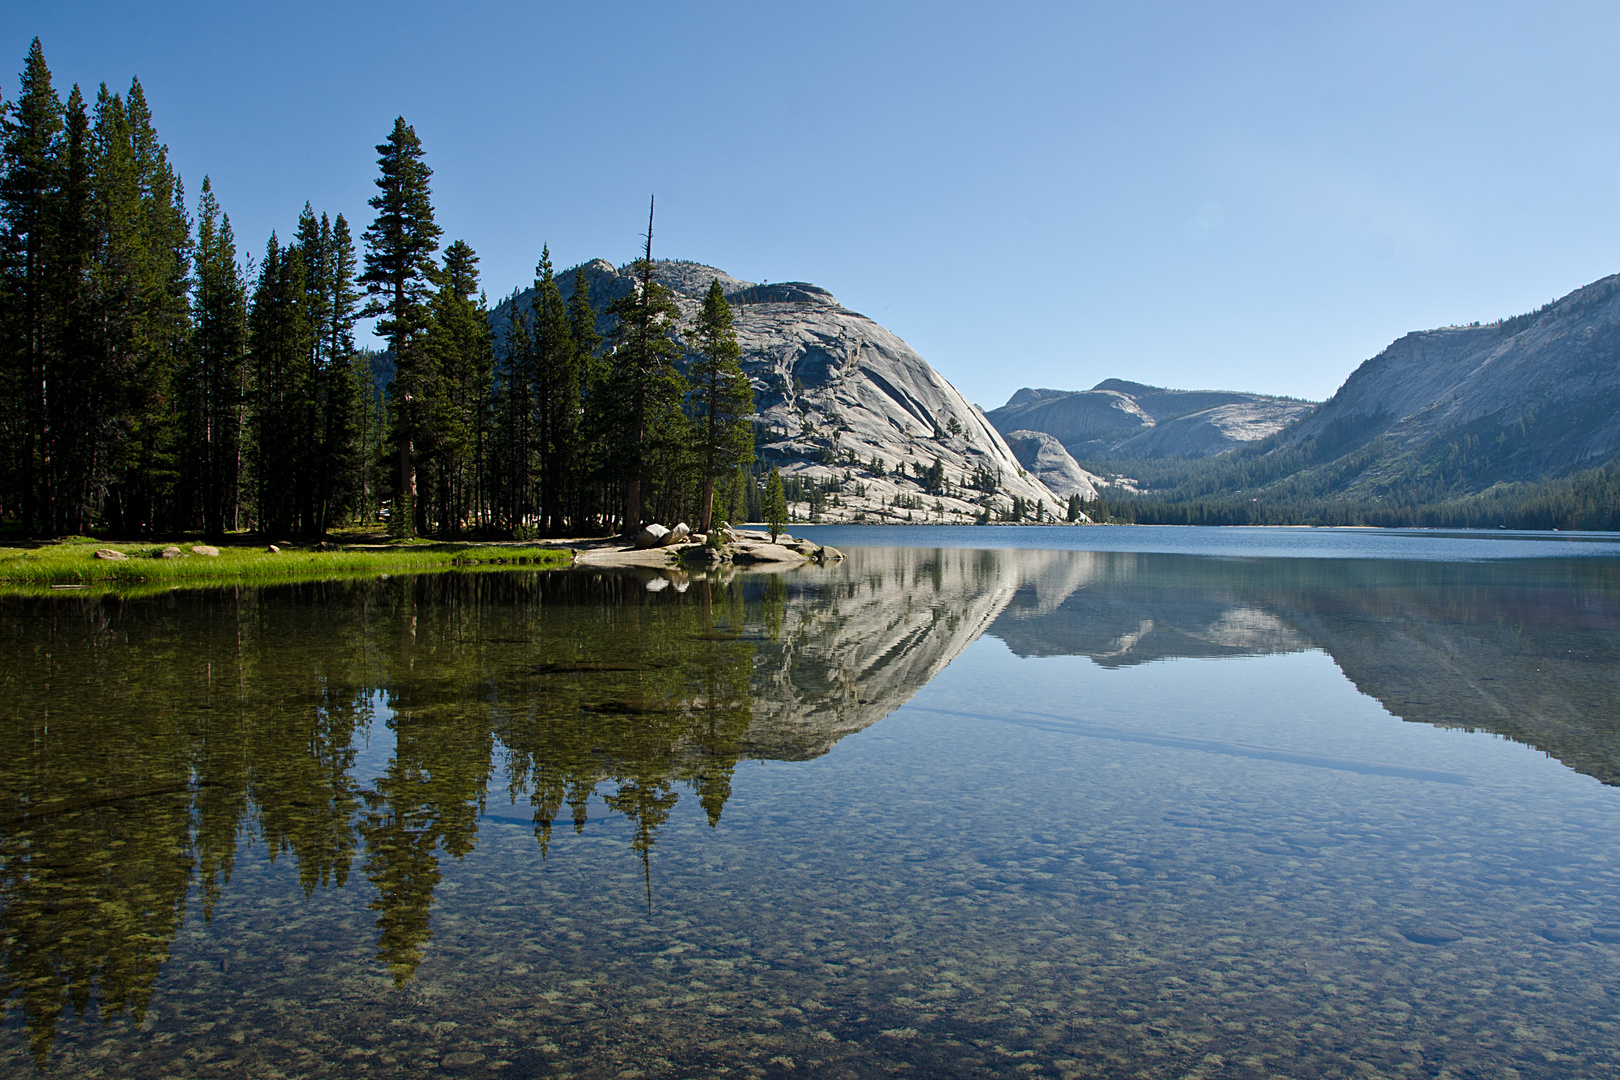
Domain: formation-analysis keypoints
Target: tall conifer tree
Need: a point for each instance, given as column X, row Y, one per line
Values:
column 591, row 473
column 399, row 274
column 722, row 396
column 511, row 468
column 141, row 293
column 30, row 189
column 281, row 335
column 75, row 403
column 219, row 344
column 646, row 383
column 557, row 394
column 455, row 374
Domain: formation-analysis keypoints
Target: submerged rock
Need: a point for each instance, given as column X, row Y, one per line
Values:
column 1431, row 934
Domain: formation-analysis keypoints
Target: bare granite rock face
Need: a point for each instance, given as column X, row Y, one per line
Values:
column 1049, row 463
column 844, row 401
column 1127, row 419
column 1214, row 431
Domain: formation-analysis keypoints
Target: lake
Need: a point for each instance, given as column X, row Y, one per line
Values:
column 980, row 802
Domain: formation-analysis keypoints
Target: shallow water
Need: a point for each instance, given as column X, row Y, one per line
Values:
column 945, row 812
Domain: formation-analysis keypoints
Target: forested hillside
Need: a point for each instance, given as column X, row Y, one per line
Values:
column 1510, row 424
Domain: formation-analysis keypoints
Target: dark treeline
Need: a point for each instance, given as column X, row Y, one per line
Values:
column 156, row 381
column 1588, row 500
column 1275, row 481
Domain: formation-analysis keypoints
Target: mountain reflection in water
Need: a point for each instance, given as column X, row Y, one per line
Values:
column 1528, row 649
column 143, row 741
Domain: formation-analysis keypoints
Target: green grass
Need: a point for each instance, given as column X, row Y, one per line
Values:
column 72, row 563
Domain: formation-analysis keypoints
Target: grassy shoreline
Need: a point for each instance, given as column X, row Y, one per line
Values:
column 72, row 565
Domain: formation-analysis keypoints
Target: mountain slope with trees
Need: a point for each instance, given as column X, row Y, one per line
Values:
column 1514, row 423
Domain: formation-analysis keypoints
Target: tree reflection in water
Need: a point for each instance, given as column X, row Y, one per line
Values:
column 144, row 741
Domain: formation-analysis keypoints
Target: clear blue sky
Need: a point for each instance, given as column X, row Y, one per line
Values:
column 1246, row 196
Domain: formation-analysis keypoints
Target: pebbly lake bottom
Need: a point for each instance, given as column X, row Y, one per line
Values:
column 936, row 813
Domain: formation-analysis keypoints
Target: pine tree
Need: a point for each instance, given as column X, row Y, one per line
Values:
column 592, row 476
column 511, row 469
column 75, row 402
column 219, row 346
column 723, row 397
column 30, row 188
column 399, row 273
column 280, row 336
column 141, row 292
column 456, row 370
column 342, row 396
column 775, row 509
column 646, row 383
column 557, row 396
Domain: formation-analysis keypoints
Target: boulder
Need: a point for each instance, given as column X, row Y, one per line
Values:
column 702, row 556
column 170, row 552
column 272, row 549
column 765, row 553
column 652, row 536
column 205, row 549
column 110, row 555
column 676, row 535
column 827, row 554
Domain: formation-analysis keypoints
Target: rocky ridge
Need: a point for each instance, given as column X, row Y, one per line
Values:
column 1118, row 418
column 1044, row 457
column 841, row 401
column 1465, row 407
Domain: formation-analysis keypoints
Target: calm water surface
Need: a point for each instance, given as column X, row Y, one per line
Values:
column 1336, row 809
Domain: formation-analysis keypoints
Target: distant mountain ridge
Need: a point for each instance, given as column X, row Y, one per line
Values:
column 1513, row 423
column 1119, row 418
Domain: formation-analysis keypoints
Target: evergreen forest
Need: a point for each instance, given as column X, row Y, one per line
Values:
column 156, row 378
